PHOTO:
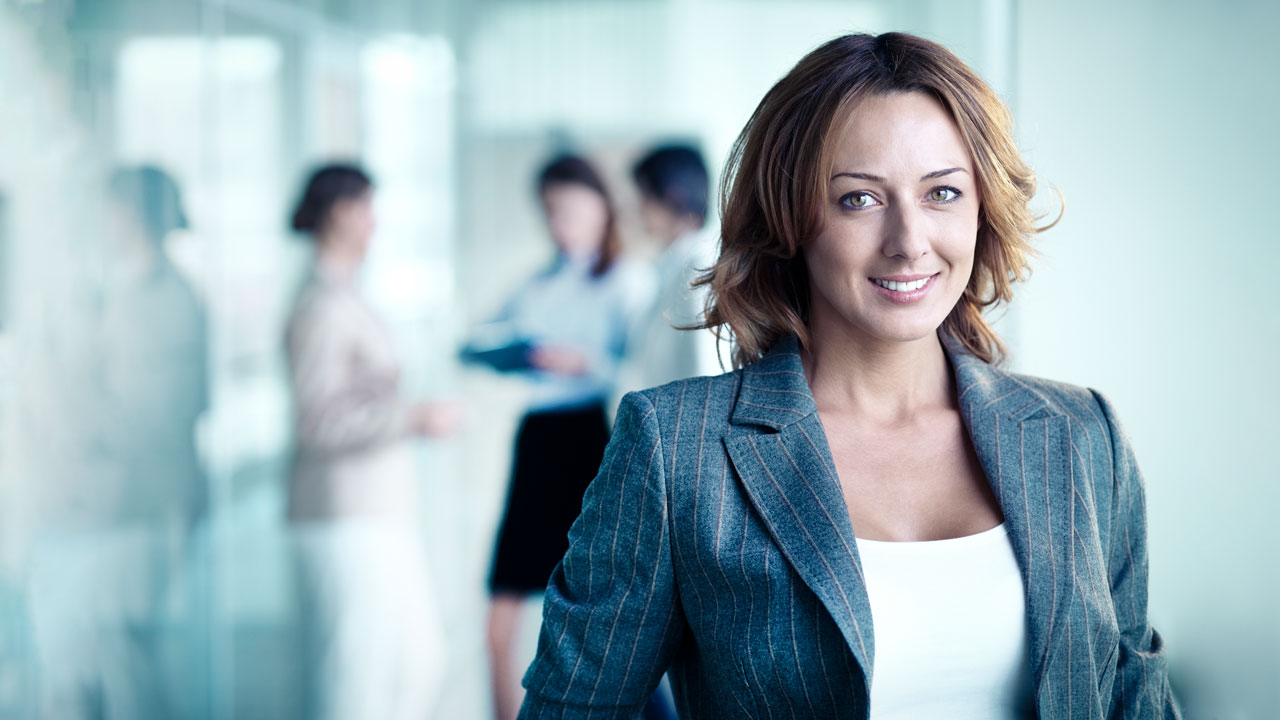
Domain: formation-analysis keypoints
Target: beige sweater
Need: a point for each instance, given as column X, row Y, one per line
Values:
column 353, row 457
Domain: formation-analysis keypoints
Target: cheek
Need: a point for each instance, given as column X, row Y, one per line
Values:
column 844, row 251
column 955, row 239
column 598, row 222
column 836, row 265
column 579, row 228
column 963, row 249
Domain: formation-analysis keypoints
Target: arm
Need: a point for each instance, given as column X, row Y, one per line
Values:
column 338, row 411
column 600, row 359
column 1142, row 682
column 611, row 617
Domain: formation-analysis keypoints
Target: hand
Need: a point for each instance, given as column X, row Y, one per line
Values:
column 436, row 419
column 558, row 359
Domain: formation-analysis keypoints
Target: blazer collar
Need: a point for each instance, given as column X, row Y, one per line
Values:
column 789, row 476
column 983, row 388
column 774, row 392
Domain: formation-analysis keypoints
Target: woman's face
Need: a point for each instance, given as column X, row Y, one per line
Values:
column 659, row 222
column 900, row 223
column 576, row 218
column 352, row 222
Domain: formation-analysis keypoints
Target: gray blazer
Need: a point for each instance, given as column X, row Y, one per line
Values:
column 715, row 542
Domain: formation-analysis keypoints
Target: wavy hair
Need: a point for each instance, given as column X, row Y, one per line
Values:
column 775, row 182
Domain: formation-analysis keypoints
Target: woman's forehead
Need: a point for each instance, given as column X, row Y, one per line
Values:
column 566, row 189
column 897, row 133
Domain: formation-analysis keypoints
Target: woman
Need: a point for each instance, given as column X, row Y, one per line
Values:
column 673, row 188
column 574, row 315
column 868, row 518
column 372, row 643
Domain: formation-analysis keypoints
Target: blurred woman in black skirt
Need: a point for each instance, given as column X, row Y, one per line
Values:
column 568, row 325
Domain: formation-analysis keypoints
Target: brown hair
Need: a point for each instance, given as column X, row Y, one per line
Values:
column 776, row 179
column 327, row 186
column 575, row 170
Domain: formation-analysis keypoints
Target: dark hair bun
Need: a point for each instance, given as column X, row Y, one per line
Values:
column 328, row 185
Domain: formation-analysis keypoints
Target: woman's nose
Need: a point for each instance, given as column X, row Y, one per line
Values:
column 905, row 235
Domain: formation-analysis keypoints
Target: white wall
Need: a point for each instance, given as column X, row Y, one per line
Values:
column 1158, row 122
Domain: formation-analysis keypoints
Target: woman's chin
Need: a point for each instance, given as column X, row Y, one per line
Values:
column 893, row 330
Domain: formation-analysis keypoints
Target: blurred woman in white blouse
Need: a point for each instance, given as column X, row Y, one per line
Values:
column 372, row 641
column 569, row 325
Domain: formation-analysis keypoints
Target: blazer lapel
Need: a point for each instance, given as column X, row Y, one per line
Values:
column 1024, row 446
column 786, row 469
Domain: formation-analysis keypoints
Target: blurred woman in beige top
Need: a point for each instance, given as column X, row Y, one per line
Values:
column 372, row 646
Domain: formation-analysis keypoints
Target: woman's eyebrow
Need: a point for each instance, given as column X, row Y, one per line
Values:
column 940, row 173
column 858, row 176
column 876, row 178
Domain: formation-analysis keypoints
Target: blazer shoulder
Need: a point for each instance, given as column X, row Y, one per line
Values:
column 707, row 400
column 1082, row 404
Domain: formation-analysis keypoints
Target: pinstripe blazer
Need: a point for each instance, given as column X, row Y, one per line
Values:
column 715, row 542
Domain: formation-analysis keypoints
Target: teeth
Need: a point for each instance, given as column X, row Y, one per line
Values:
column 901, row 286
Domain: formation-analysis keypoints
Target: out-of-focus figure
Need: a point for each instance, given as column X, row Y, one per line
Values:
column 112, row 537
column 372, row 642
column 567, row 330
column 156, row 353
column 674, row 187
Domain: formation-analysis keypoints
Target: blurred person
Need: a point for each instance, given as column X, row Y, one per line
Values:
column 869, row 517
column 570, row 324
column 157, row 350
column 372, row 641
column 113, row 539
column 673, row 184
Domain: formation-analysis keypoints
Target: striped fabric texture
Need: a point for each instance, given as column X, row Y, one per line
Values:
column 715, row 543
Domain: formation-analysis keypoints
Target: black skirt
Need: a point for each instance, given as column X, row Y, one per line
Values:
column 558, row 453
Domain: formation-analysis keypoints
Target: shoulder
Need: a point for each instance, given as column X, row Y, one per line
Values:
column 546, row 273
column 699, row 405
column 321, row 306
column 1088, row 410
column 1077, row 401
column 313, row 297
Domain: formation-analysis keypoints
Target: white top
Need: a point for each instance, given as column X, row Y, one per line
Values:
column 565, row 305
column 352, row 456
column 949, row 618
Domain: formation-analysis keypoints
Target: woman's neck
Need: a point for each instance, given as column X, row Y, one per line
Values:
column 886, row 381
column 338, row 257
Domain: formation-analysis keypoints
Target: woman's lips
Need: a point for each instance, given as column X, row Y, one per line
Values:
column 904, row 289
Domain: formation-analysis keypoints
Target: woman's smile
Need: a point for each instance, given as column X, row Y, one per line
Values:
column 904, row 289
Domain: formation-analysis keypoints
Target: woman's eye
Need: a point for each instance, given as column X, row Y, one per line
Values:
column 858, row 200
column 943, row 194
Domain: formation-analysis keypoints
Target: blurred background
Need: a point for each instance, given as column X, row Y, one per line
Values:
column 1155, row 119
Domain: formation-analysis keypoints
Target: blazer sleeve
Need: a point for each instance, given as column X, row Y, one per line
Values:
column 1141, row 682
column 611, row 616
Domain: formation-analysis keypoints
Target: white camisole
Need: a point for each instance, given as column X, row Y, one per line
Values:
column 949, row 618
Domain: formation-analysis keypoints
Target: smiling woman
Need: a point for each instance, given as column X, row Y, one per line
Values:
column 869, row 518
column 760, row 284
column 904, row 233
